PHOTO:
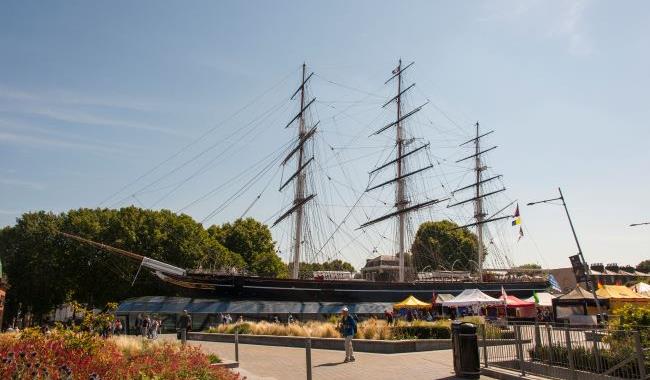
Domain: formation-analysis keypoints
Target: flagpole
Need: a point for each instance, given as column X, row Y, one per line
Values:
column 590, row 283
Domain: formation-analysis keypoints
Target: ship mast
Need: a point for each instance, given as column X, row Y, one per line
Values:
column 401, row 199
column 300, row 176
column 479, row 195
column 400, row 202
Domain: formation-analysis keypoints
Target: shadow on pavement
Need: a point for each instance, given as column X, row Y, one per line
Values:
column 329, row 364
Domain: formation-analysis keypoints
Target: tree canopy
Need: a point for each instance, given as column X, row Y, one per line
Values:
column 644, row 266
column 334, row 265
column 442, row 245
column 252, row 241
column 46, row 269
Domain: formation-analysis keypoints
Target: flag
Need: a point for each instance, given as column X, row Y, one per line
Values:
column 554, row 284
column 536, row 297
column 517, row 217
column 521, row 234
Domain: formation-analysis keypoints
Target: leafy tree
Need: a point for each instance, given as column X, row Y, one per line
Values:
column 334, row 265
column 441, row 245
column 252, row 241
column 644, row 266
column 46, row 269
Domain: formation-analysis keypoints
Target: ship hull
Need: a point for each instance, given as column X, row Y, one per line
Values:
column 347, row 291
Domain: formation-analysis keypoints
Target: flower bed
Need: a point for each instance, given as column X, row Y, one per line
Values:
column 64, row 354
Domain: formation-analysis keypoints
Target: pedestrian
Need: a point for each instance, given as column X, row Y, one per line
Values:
column 289, row 319
column 144, row 327
column 184, row 324
column 155, row 324
column 138, row 324
column 118, row 327
column 348, row 329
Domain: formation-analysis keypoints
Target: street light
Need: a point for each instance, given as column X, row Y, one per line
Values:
column 575, row 237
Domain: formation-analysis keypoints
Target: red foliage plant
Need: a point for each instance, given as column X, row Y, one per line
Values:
column 67, row 355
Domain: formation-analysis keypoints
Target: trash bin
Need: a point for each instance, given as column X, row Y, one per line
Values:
column 464, row 342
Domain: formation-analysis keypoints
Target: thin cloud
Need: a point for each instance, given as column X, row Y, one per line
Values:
column 21, row 183
column 56, row 135
column 73, row 98
column 79, row 117
column 563, row 20
column 34, row 141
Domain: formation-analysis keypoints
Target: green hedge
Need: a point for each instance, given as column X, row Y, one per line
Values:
column 421, row 332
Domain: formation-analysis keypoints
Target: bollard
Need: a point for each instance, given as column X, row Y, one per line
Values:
column 183, row 336
column 308, row 356
column 237, row 345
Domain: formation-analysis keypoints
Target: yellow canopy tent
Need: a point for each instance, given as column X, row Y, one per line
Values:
column 620, row 295
column 411, row 303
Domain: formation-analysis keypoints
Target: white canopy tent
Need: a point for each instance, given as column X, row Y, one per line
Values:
column 641, row 288
column 472, row 297
column 545, row 299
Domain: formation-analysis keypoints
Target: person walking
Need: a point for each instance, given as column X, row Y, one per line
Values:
column 184, row 324
column 348, row 329
column 144, row 327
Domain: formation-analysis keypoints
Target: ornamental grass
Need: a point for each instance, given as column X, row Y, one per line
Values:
column 67, row 355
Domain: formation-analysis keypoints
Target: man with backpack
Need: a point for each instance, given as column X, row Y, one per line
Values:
column 348, row 329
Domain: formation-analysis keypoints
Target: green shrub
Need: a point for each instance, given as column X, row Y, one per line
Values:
column 242, row 328
column 585, row 360
column 422, row 331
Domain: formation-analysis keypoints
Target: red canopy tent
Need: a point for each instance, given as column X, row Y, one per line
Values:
column 518, row 307
column 513, row 301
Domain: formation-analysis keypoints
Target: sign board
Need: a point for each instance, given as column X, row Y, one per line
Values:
column 578, row 268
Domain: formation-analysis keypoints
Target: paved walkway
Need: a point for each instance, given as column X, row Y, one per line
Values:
column 280, row 363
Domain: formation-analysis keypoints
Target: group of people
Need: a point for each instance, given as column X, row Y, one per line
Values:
column 147, row 326
column 409, row 315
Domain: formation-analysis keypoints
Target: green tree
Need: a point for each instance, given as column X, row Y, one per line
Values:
column 441, row 245
column 644, row 266
column 46, row 269
column 334, row 265
column 251, row 240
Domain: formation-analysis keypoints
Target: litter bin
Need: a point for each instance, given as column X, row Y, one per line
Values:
column 464, row 342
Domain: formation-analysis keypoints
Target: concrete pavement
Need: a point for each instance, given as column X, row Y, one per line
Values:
column 280, row 363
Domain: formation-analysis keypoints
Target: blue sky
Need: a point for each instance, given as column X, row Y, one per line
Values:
column 94, row 95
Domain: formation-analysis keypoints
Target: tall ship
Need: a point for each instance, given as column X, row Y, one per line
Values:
column 397, row 171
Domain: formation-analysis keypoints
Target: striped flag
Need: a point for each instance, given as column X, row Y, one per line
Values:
column 554, row 284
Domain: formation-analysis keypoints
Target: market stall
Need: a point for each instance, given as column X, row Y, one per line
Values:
column 544, row 305
column 641, row 288
column 618, row 296
column 517, row 308
column 577, row 307
column 470, row 301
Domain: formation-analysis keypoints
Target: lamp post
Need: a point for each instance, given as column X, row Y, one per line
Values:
column 575, row 237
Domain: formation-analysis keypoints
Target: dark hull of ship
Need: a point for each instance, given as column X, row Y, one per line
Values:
column 346, row 291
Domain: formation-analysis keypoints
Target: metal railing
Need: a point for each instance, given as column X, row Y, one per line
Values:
column 558, row 351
